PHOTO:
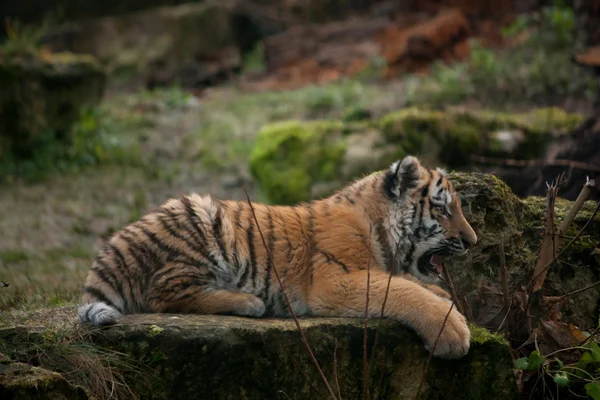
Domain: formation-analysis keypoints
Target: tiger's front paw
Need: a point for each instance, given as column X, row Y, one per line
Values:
column 455, row 338
column 251, row 307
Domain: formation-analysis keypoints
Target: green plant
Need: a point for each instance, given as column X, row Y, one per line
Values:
column 91, row 143
column 23, row 38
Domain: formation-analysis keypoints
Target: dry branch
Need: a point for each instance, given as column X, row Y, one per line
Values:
column 432, row 350
column 448, row 280
column 366, row 373
column 504, row 276
column 287, row 301
column 549, row 245
column 538, row 273
column 535, row 163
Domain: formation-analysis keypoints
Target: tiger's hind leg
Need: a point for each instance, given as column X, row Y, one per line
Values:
column 181, row 288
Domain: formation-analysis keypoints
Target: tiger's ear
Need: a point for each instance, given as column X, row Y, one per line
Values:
column 402, row 176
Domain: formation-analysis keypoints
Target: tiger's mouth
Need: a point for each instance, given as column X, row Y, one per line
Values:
column 431, row 263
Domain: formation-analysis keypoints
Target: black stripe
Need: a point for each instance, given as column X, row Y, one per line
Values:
column 218, row 234
column 106, row 274
column 271, row 246
column 89, row 310
column 350, row 200
column 251, row 250
column 123, row 268
column 331, row 259
column 290, row 247
column 439, row 182
column 244, row 276
column 192, row 217
column 409, row 256
column 133, row 250
column 384, row 244
column 196, row 245
column 165, row 250
column 101, row 297
column 238, row 214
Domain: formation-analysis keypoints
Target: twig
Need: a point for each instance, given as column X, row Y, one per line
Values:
column 366, row 373
column 505, row 317
column 504, row 276
column 287, row 300
column 385, row 297
column 468, row 309
column 335, row 371
column 572, row 240
column 450, row 284
column 432, row 350
column 594, row 333
column 585, row 193
column 549, row 241
column 567, row 295
column 533, row 163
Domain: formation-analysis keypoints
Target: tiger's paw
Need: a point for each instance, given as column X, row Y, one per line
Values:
column 454, row 341
column 251, row 307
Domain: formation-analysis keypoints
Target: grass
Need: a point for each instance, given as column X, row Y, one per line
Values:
column 69, row 348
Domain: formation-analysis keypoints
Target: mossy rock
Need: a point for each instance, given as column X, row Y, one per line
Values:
column 498, row 216
column 232, row 358
column 288, row 157
column 295, row 161
column 43, row 94
column 451, row 136
column 20, row 381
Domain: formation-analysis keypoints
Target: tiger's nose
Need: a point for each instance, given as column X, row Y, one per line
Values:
column 466, row 244
column 467, row 240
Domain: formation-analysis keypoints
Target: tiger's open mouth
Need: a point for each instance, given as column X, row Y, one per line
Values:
column 431, row 263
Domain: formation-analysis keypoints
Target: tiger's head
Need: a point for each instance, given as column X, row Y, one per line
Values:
column 425, row 218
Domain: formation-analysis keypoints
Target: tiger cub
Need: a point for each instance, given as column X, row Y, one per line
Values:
column 200, row 255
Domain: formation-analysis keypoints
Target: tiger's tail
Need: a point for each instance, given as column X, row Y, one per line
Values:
column 98, row 310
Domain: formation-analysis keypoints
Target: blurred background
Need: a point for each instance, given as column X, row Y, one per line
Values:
column 109, row 108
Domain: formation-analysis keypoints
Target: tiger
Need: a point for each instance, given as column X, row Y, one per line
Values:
column 200, row 255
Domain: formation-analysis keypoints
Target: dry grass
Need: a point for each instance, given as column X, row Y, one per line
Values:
column 65, row 346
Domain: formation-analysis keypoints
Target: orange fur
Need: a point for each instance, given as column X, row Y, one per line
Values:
column 201, row 255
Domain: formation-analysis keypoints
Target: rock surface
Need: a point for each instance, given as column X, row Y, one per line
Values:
column 20, row 381
column 232, row 358
column 44, row 94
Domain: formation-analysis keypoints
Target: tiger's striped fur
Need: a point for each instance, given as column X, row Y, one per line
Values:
column 200, row 255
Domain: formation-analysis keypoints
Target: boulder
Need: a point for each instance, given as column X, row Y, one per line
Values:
column 226, row 357
column 20, row 381
column 292, row 155
column 43, row 94
column 360, row 146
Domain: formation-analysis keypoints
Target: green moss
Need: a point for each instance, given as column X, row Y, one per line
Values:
column 481, row 335
column 289, row 156
column 455, row 134
column 411, row 127
column 154, row 330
